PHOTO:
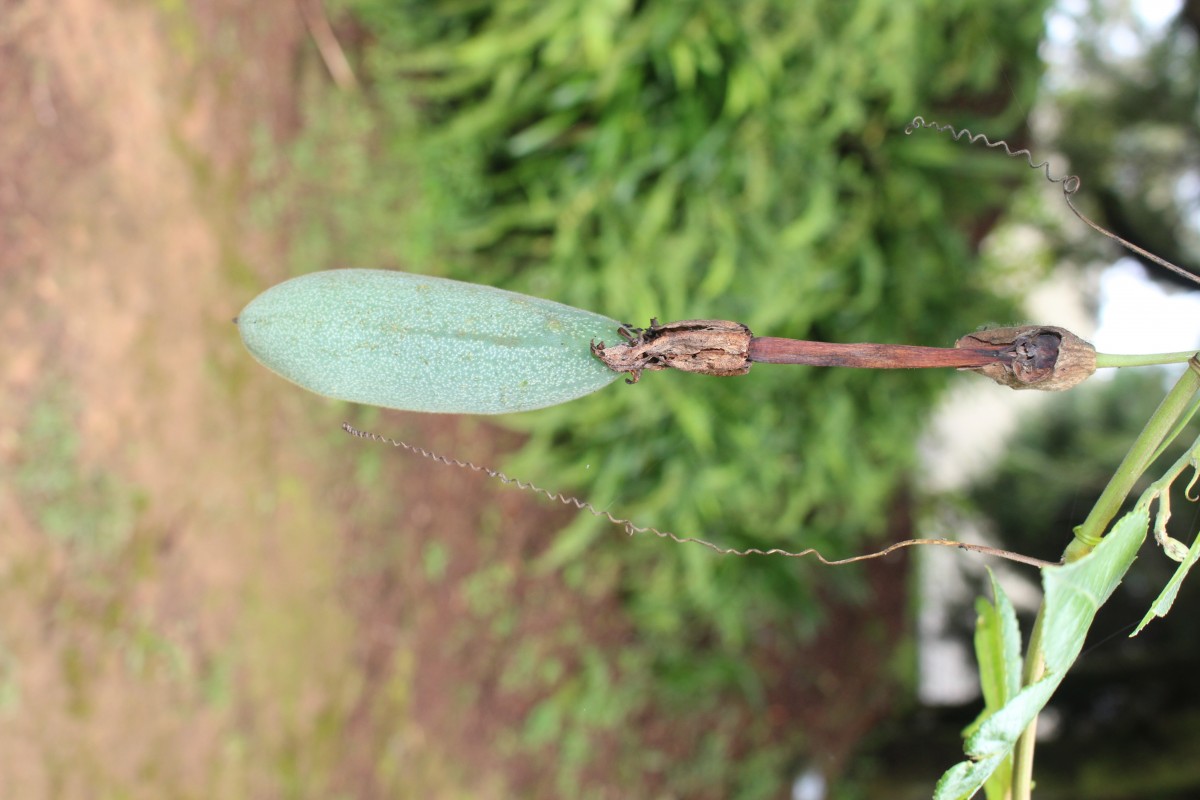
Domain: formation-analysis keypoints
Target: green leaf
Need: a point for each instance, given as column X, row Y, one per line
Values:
column 1166, row 598
column 998, row 651
column 419, row 343
column 998, row 648
column 998, row 734
column 964, row 778
column 1073, row 593
column 1076, row 591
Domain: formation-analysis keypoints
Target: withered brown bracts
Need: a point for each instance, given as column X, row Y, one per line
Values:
column 1040, row 357
column 708, row 346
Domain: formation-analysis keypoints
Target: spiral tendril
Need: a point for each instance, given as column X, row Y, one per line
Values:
column 632, row 528
column 1070, row 185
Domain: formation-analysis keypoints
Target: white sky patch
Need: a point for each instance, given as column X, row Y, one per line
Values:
column 1157, row 13
column 1122, row 33
column 1140, row 316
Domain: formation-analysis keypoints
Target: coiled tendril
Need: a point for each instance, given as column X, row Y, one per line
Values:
column 632, row 528
column 1070, row 185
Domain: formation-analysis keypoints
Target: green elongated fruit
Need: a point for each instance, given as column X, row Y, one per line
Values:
column 419, row 343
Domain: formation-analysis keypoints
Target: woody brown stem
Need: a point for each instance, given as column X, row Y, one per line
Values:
column 774, row 350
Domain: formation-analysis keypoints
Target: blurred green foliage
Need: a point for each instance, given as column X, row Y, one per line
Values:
column 79, row 506
column 691, row 159
column 739, row 161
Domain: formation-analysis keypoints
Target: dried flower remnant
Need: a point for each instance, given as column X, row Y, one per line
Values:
column 1030, row 357
column 1042, row 357
column 707, row 346
column 724, row 348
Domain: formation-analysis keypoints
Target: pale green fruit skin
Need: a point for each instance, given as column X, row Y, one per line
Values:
column 419, row 343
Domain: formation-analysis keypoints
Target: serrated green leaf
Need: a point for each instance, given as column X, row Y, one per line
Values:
column 1073, row 594
column 419, row 343
column 998, row 648
column 1166, row 598
column 998, row 651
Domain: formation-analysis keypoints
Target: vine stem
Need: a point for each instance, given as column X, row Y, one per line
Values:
column 775, row 350
column 1035, row 668
column 1162, row 424
column 1146, row 360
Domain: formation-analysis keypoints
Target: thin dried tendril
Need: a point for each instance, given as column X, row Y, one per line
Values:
column 632, row 528
column 1070, row 185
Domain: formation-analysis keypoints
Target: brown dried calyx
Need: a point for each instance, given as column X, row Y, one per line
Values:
column 1034, row 357
column 708, row 346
